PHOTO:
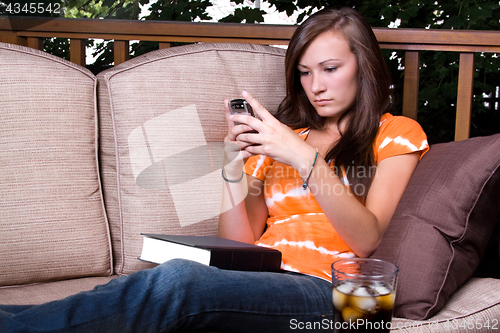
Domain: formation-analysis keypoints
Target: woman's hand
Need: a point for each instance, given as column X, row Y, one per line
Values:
column 235, row 221
column 236, row 130
column 273, row 139
column 234, row 154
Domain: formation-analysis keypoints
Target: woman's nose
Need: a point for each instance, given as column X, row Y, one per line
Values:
column 317, row 85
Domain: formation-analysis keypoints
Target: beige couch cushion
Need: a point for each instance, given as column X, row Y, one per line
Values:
column 162, row 124
column 38, row 293
column 475, row 307
column 52, row 218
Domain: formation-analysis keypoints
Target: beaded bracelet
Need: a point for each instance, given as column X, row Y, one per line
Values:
column 306, row 180
column 232, row 181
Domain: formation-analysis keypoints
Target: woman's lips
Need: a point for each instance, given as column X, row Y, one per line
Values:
column 322, row 102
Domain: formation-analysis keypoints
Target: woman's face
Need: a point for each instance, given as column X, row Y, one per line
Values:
column 329, row 75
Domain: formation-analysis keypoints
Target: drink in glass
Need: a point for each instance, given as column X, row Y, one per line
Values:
column 363, row 294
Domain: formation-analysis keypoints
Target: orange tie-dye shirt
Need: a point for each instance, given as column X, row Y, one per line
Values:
column 296, row 225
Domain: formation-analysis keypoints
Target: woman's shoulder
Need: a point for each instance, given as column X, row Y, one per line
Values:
column 391, row 122
column 393, row 126
column 399, row 135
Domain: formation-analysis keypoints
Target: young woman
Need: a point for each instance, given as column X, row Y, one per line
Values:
column 321, row 182
column 328, row 188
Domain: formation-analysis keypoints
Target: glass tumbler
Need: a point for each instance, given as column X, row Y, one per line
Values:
column 363, row 294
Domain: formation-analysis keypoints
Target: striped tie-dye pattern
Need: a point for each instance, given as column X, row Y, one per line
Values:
column 297, row 225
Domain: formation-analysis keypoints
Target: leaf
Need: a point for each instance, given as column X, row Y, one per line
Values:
column 108, row 3
column 301, row 16
column 284, row 6
column 253, row 14
column 245, row 14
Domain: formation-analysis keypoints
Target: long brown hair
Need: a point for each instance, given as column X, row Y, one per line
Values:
column 354, row 149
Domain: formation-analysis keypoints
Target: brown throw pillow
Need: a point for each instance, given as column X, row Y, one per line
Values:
column 442, row 225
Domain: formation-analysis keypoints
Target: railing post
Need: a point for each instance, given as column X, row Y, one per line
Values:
column 411, row 84
column 464, row 96
column 121, row 51
column 35, row 43
column 12, row 38
column 77, row 51
column 164, row 45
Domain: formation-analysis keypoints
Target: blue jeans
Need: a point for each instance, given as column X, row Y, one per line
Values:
column 181, row 295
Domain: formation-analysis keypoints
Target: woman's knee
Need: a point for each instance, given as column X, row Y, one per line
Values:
column 179, row 273
column 180, row 268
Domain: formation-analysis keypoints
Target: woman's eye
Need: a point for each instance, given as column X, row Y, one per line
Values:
column 303, row 73
column 330, row 69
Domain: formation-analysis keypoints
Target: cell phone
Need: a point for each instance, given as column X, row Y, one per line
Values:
column 240, row 106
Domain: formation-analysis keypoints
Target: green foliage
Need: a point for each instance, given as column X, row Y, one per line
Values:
column 439, row 70
column 165, row 10
column 179, row 10
column 57, row 46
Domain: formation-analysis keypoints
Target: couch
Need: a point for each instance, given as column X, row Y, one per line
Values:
column 89, row 163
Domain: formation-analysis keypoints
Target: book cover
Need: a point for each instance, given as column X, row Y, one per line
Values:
column 212, row 251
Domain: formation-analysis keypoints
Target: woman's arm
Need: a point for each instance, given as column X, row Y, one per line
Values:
column 361, row 226
column 243, row 212
column 246, row 219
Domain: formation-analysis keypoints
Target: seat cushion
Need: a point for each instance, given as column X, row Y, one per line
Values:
column 443, row 223
column 39, row 293
column 162, row 128
column 472, row 308
column 52, row 218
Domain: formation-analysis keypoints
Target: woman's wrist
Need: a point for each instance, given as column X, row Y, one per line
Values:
column 233, row 170
column 232, row 180
column 233, row 162
column 305, row 181
column 306, row 162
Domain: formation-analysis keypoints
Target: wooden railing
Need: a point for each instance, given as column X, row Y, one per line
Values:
column 30, row 31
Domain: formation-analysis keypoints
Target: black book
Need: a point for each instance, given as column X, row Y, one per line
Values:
column 212, row 251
